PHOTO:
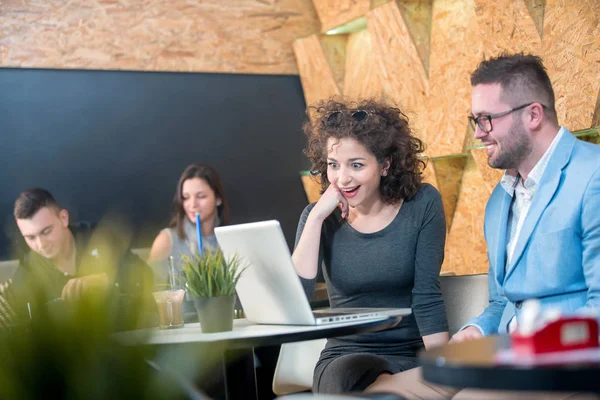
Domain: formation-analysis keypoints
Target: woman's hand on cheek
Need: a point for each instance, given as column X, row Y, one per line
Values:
column 331, row 198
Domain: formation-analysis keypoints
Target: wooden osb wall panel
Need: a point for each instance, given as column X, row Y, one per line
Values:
column 449, row 173
column 417, row 17
column 362, row 78
column 428, row 77
column 378, row 3
column 403, row 76
column 337, row 12
column 312, row 188
column 593, row 136
column 470, row 140
column 466, row 250
column 456, row 44
column 596, row 118
column 571, row 52
column 507, row 25
column 318, row 81
column 245, row 36
column 536, row 10
column 429, row 175
column 491, row 176
column 334, row 48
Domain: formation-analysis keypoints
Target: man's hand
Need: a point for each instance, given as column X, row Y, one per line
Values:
column 76, row 287
column 469, row 333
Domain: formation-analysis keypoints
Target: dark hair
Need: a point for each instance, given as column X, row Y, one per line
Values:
column 523, row 79
column 210, row 176
column 381, row 128
column 31, row 200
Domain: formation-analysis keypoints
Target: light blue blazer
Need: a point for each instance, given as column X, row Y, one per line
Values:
column 557, row 255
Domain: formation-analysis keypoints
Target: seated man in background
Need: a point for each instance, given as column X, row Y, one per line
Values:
column 67, row 263
column 542, row 221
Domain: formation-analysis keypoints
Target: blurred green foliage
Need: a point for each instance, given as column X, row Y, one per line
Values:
column 67, row 349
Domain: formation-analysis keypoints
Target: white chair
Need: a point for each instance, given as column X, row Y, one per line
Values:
column 465, row 297
column 295, row 366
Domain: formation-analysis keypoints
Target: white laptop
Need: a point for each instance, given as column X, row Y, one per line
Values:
column 269, row 288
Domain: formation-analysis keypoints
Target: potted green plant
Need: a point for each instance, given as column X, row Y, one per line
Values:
column 211, row 280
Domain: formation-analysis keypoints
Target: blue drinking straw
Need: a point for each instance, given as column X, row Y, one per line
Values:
column 172, row 273
column 199, row 233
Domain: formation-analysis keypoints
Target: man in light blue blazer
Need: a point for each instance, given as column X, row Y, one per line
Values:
column 542, row 221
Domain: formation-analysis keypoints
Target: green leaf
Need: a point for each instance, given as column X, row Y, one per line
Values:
column 210, row 274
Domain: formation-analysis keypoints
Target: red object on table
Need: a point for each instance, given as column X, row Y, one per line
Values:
column 564, row 334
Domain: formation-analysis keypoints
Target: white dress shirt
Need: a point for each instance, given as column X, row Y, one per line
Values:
column 522, row 193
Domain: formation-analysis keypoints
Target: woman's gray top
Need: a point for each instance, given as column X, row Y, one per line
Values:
column 396, row 267
column 182, row 247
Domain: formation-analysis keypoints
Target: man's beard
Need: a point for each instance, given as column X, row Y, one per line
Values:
column 514, row 149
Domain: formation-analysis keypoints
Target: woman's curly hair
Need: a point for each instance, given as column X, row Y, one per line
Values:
column 381, row 128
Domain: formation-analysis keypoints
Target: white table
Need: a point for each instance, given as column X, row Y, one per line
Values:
column 238, row 344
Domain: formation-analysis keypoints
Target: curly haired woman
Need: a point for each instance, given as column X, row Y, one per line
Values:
column 378, row 232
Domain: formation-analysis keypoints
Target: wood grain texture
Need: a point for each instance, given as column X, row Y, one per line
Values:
column 536, row 10
column 571, row 53
column 596, row 118
column 333, row 13
column 470, row 140
column 593, row 136
column 417, row 17
column 457, row 49
column 403, row 75
column 506, row 25
column 362, row 78
column 466, row 250
column 312, row 188
column 334, row 48
column 237, row 36
column 429, row 175
column 449, row 173
column 317, row 77
column 491, row 176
